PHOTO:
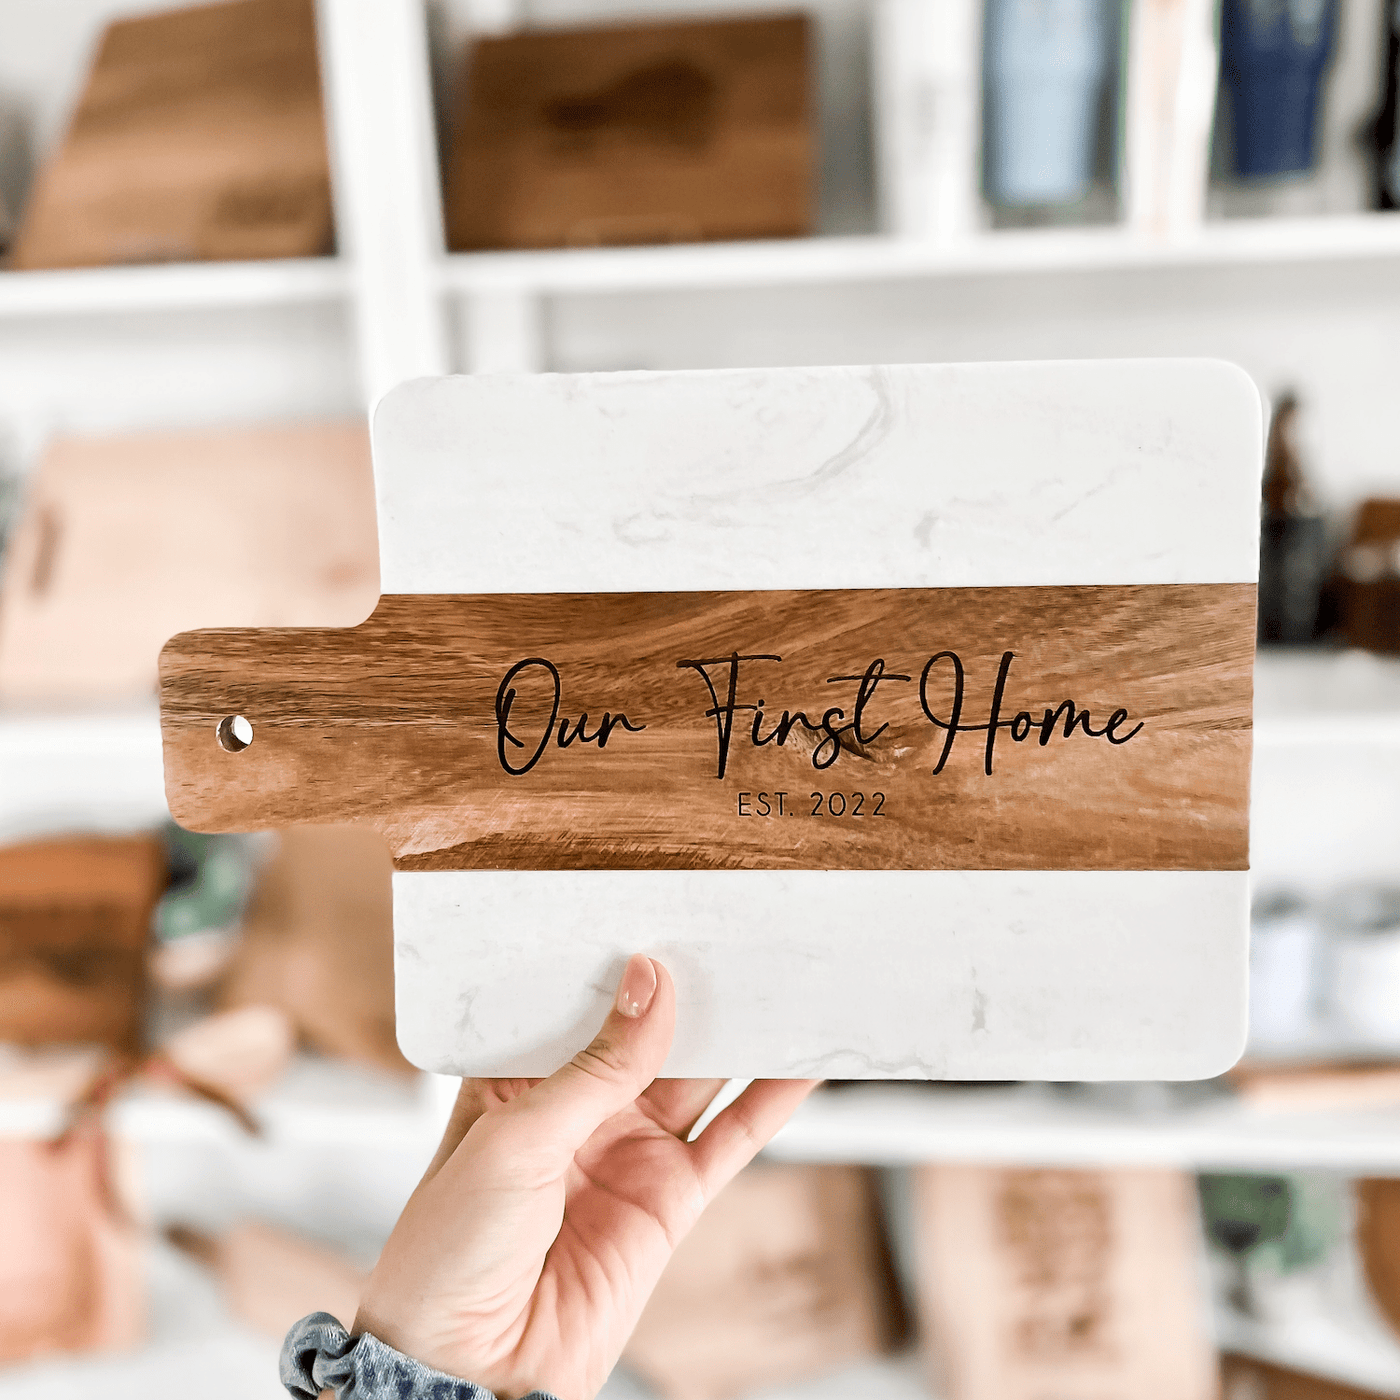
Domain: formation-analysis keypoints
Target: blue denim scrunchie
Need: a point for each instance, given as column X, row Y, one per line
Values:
column 319, row 1354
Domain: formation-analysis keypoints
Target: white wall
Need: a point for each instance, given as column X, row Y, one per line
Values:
column 117, row 372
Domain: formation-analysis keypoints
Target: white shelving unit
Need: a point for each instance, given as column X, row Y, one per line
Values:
column 1038, row 1125
column 396, row 304
column 1306, row 700
column 86, row 770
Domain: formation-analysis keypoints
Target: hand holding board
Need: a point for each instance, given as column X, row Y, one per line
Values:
column 903, row 712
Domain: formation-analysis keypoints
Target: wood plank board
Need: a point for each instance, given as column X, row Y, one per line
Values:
column 1020, row 728
column 666, row 132
column 126, row 539
column 1076, row 1284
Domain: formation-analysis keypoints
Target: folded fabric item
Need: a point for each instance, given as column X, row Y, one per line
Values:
column 199, row 134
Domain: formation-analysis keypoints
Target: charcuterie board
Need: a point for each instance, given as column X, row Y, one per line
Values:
column 905, row 712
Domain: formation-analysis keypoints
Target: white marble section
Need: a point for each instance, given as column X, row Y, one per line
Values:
column 1113, row 472
column 904, row 974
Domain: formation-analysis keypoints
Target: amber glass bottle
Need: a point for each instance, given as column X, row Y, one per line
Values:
column 1387, row 125
column 1292, row 538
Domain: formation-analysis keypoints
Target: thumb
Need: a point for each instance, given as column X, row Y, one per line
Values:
column 624, row 1057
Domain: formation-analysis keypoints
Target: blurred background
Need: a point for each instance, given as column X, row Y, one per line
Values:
column 229, row 227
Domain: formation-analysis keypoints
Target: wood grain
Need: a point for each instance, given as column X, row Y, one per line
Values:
column 395, row 723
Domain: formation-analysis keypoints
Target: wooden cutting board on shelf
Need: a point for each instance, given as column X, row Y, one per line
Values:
column 1036, row 1282
column 666, row 132
column 904, row 712
column 199, row 135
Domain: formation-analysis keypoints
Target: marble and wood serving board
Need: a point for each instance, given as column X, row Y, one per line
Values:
column 904, row 712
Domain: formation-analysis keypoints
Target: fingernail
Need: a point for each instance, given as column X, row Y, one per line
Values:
column 638, row 986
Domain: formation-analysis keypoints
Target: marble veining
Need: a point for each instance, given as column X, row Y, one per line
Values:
column 902, row 974
column 913, row 475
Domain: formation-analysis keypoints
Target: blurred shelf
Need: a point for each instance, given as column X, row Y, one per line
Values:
column 1357, row 1351
column 890, row 1125
column 333, row 1103
column 80, row 771
column 318, row 1101
column 1305, row 697
column 899, row 1377
column 172, row 287
column 798, row 261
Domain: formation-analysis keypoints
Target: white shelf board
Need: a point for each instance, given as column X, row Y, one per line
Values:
column 893, row 1124
column 80, row 771
column 318, row 1101
column 172, row 287
column 1353, row 1351
column 819, row 260
column 333, row 1103
column 1309, row 697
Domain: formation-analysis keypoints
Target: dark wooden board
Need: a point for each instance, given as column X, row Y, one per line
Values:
column 634, row 133
column 396, row 723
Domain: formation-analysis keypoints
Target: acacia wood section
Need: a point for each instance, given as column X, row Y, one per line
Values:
column 394, row 723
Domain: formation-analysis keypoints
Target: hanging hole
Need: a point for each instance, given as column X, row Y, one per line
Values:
column 234, row 733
